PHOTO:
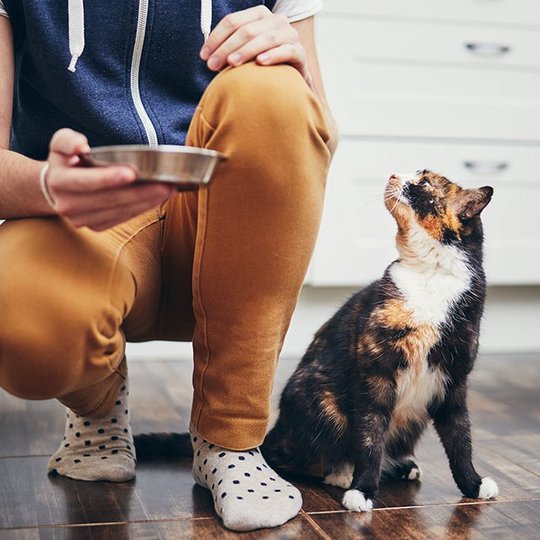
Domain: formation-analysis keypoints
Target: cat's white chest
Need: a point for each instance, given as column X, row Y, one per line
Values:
column 432, row 286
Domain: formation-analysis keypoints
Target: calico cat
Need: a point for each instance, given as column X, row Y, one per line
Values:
column 396, row 356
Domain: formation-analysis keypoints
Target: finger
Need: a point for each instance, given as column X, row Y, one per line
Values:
column 65, row 144
column 288, row 53
column 229, row 25
column 72, row 206
column 270, row 27
column 260, row 44
column 89, row 179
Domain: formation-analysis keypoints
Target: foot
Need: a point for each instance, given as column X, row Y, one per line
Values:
column 357, row 501
column 96, row 449
column 488, row 489
column 247, row 493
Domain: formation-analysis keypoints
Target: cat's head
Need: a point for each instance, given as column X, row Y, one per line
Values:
column 446, row 211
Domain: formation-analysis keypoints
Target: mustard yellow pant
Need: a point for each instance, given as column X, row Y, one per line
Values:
column 221, row 267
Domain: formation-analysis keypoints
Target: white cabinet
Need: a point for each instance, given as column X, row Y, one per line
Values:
column 448, row 86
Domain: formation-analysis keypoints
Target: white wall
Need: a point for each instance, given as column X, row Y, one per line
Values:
column 511, row 323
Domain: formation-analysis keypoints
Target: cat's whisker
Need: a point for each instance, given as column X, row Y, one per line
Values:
column 394, row 207
column 369, row 202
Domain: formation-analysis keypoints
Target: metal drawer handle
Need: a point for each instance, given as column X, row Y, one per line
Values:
column 486, row 167
column 488, row 49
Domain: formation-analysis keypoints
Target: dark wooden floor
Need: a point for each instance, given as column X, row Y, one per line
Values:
column 163, row 503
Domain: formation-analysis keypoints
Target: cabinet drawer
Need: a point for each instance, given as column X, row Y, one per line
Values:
column 419, row 101
column 398, row 98
column 521, row 12
column 357, row 236
column 418, row 41
column 392, row 115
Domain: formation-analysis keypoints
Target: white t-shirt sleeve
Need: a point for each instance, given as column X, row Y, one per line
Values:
column 296, row 10
column 2, row 10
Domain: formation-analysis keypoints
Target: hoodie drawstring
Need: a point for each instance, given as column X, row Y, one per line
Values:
column 76, row 27
column 206, row 17
column 76, row 31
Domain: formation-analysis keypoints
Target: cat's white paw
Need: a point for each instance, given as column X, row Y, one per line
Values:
column 488, row 489
column 342, row 477
column 355, row 500
column 415, row 474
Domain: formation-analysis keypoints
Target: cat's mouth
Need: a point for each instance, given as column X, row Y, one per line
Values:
column 394, row 198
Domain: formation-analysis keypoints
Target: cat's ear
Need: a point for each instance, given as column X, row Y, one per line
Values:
column 472, row 201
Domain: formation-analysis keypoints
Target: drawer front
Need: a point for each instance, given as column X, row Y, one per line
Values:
column 357, row 236
column 521, row 12
column 421, row 42
column 398, row 98
column 391, row 115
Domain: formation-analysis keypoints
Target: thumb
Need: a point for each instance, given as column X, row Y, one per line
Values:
column 65, row 144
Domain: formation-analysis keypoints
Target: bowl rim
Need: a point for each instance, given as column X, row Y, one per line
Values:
column 162, row 148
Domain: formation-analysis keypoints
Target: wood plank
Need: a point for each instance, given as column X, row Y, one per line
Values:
column 163, row 489
column 483, row 521
column 523, row 450
column 185, row 529
column 504, row 398
column 28, row 497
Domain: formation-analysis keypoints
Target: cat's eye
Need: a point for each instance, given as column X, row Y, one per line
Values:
column 424, row 182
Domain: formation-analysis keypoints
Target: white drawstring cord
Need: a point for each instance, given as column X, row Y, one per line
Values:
column 76, row 27
column 76, row 31
column 206, row 17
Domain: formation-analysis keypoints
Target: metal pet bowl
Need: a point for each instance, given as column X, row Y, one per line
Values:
column 185, row 166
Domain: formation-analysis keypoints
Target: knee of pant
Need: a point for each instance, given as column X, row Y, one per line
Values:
column 52, row 353
column 275, row 98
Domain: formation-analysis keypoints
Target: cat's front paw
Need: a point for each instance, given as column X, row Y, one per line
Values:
column 488, row 489
column 357, row 501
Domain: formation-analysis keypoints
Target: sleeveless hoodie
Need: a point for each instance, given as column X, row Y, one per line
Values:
column 122, row 72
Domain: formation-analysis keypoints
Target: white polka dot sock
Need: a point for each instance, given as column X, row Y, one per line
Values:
column 247, row 493
column 97, row 448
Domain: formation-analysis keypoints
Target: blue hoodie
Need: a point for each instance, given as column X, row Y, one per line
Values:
column 137, row 82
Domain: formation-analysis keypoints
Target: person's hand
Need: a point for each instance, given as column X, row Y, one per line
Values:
column 255, row 34
column 95, row 197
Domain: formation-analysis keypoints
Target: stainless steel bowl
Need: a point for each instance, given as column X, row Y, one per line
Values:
column 185, row 166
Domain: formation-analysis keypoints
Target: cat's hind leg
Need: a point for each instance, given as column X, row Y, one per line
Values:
column 341, row 476
column 399, row 462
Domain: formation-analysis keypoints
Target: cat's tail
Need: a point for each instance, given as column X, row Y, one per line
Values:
column 169, row 445
column 287, row 463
